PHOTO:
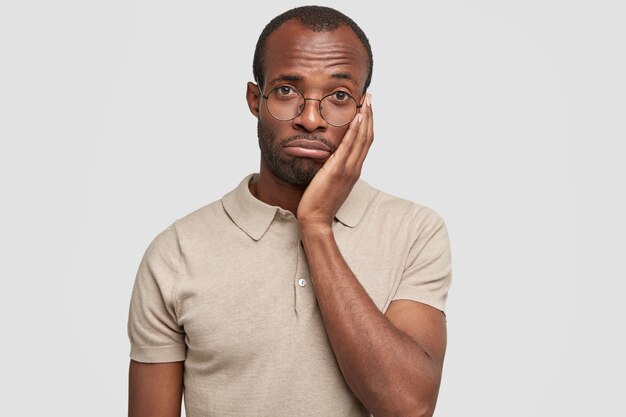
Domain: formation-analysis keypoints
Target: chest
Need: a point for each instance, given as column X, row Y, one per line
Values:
column 245, row 301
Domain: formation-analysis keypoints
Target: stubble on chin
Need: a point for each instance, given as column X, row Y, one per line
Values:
column 292, row 170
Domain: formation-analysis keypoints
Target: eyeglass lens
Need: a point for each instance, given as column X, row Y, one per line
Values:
column 338, row 108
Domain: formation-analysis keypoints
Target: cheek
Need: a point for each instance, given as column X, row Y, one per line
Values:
column 337, row 134
column 268, row 120
column 280, row 130
column 270, row 135
column 268, row 125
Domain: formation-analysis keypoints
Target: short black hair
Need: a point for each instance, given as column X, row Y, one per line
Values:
column 317, row 19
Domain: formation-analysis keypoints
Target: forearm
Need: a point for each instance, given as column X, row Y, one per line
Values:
column 155, row 389
column 384, row 367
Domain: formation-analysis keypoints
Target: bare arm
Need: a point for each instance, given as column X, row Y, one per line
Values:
column 391, row 362
column 155, row 389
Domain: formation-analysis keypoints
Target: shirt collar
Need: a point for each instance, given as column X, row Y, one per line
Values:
column 353, row 209
column 254, row 217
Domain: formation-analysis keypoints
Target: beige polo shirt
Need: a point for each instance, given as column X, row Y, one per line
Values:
column 227, row 289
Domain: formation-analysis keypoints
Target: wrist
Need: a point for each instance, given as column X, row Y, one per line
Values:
column 314, row 229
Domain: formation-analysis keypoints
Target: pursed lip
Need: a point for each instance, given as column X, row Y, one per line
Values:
column 308, row 144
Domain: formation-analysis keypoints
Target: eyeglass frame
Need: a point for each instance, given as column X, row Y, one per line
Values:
column 319, row 105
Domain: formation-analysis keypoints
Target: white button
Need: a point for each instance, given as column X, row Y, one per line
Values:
column 302, row 282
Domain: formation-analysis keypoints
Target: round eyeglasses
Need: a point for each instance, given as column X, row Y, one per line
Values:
column 337, row 108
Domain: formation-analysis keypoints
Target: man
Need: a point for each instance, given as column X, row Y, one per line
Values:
column 304, row 291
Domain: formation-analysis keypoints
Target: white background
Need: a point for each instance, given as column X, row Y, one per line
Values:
column 117, row 117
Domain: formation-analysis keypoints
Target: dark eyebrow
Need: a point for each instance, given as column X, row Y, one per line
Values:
column 345, row 76
column 294, row 78
column 288, row 78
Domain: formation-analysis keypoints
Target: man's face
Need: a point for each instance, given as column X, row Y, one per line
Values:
column 315, row 64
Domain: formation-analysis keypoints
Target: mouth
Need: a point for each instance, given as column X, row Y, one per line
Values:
column 307, row 148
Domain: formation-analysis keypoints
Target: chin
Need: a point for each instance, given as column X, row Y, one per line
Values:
column 300, row 173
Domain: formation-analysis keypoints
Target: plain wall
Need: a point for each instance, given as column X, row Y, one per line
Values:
column 507, row 118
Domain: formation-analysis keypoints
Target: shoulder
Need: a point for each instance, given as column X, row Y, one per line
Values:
column 401, row 211
column 164, row 247
column 200, row 218
column 175, row 239
column 205, row 228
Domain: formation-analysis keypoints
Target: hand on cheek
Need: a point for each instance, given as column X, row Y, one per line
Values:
column 334, row 181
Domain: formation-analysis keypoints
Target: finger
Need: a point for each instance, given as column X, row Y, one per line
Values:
column 354, row 156
column 370, row 128
column 346, row 146
column 362, row 142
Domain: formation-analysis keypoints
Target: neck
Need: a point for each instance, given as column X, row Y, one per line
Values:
column 273, row 191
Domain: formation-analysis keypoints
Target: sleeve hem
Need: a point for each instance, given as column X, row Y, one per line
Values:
column 159, row 354
column 421, row 298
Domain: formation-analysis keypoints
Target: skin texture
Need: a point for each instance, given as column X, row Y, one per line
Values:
column 155, row 389
column 319, row 61
column 391, row 362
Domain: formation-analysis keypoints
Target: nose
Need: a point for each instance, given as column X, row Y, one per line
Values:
column 310, row 119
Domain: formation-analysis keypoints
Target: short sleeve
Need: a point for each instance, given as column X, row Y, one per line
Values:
column 427, row 274
column 153, row 329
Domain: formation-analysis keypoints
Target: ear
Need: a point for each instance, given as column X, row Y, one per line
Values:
column 253, row 96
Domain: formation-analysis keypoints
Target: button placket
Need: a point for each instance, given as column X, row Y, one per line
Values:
column 305, row 296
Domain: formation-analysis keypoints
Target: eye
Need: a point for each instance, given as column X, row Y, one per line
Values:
column 340, row 96
column 284, row 90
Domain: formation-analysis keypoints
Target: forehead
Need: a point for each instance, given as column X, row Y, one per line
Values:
column 293, row 49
